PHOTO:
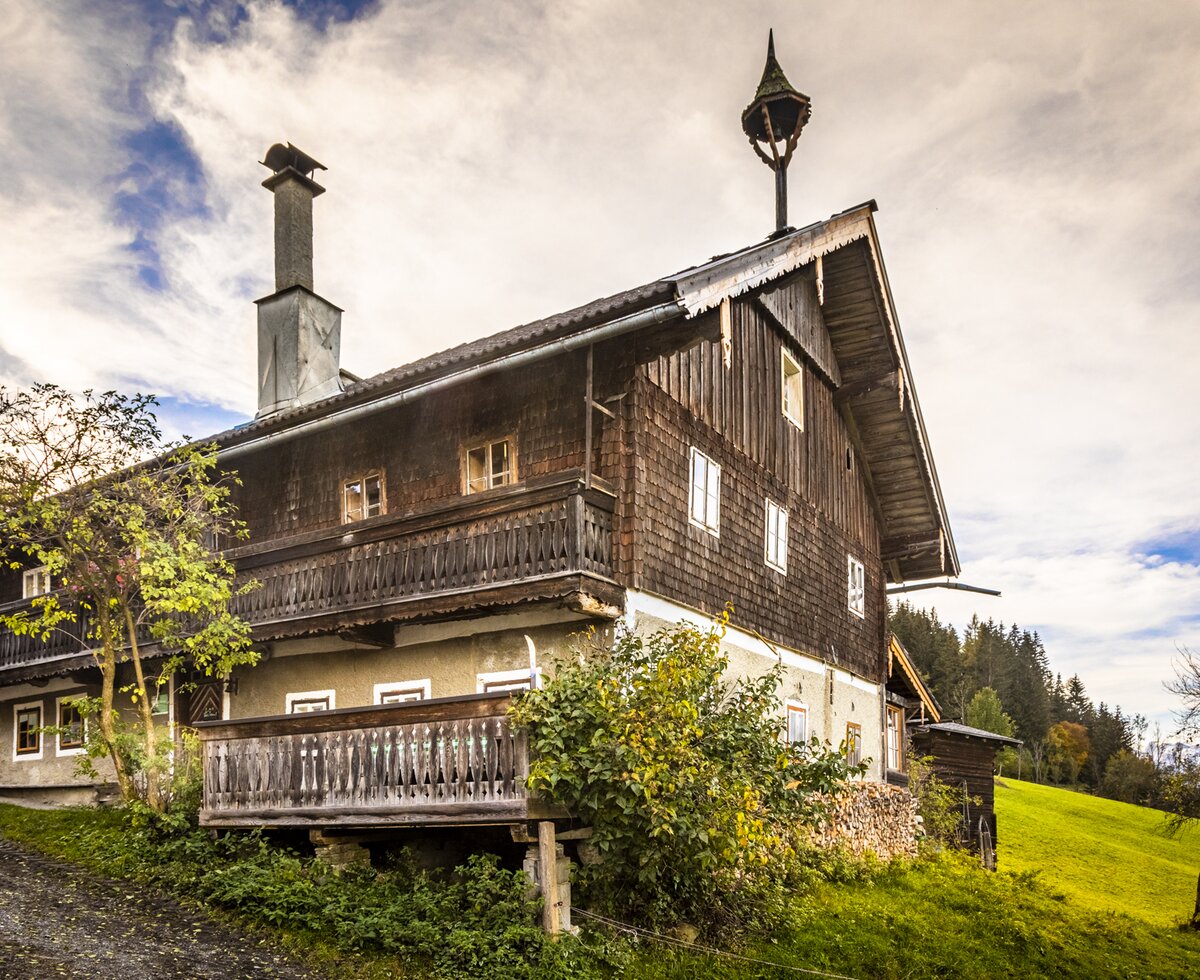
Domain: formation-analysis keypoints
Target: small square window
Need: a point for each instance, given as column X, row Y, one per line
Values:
column 397, row 692
column 856, row 587
column 35, row 582
column 704, row 498
column 490, row 465
column 27, row 730
column 362, row 497
column 853, row 744
column 895, row 737
column 70, row 724
column 777, row 536
column 162, row 703
column 306, row 701
column 508, row 680
column 797, row 723
column 793, row 390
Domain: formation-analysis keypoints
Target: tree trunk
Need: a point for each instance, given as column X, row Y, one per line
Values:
column 154, row 798
column 107, row 662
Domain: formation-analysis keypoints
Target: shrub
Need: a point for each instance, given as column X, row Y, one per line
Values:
column 695, row 800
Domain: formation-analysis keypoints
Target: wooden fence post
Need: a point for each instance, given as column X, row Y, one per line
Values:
column 548, row 877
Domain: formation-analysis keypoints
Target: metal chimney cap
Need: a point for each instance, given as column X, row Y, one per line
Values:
column 280, row 157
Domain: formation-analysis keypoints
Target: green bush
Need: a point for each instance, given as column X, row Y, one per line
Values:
column 695, row 800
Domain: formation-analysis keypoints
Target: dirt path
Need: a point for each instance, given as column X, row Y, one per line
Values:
column 58, row 921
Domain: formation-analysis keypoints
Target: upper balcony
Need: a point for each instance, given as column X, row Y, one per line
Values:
column 549, row 540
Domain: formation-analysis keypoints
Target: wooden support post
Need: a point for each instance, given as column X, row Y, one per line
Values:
column 548, row 875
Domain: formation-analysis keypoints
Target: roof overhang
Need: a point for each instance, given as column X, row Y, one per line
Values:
column 903, row 672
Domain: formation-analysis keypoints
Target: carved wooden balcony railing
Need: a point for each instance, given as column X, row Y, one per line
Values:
column 473, row 552
column 445, row 761
column 549, row 540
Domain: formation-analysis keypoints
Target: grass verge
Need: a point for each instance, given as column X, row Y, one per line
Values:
column 1102, row 854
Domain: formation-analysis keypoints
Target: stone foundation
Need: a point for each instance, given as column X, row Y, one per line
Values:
column 340, row 851
column 872, row 818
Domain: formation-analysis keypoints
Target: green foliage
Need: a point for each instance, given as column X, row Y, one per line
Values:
column 696, row 802
column 939, row 805
column 1131, row 779
column 943, row 917
column 476, row 921
column 129, row 543
column 987, row 713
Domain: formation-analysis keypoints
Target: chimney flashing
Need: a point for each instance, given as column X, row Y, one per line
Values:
column 288, row 289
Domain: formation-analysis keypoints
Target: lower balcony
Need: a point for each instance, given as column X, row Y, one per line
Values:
column 448, row 761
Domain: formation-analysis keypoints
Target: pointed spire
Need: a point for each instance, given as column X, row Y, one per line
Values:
column 774, row 81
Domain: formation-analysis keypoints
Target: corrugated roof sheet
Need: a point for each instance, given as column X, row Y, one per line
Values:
column 954, row 728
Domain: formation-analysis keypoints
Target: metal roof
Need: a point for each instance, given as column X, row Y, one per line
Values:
column 954, row 728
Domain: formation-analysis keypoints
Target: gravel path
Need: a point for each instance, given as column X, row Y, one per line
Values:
column 56, row 920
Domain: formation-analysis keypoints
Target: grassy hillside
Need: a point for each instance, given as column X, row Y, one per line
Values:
column 1101, row 854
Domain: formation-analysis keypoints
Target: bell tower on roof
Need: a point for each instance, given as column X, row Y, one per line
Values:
column 773, row 121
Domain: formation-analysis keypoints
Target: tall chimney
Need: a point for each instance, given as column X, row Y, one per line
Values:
column 299, row 332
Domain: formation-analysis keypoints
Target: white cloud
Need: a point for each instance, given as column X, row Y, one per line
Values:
column 493, row 163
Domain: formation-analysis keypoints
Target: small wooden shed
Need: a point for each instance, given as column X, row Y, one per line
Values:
column 965, row 756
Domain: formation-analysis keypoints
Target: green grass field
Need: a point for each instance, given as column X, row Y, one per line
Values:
column 1101, row 854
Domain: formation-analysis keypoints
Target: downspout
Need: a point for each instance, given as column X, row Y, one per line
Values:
column 614, row 328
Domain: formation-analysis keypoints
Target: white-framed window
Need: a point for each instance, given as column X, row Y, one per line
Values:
column 856, row 587
column 70, row 727
column 162, row 703
column 895, row 737
column 494, row 464
column 35, row 582
column 506, row 680
column 776, row 536
column 362, row 497
column 27, row 731
column 396, row 692
column 793, row 390
column 303, row 701
column 853, row 743
column 704, row 497
column 797, row 723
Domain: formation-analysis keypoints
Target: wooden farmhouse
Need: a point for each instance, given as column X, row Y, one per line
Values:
column 430, row 538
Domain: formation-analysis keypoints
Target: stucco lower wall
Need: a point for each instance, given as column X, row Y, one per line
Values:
column 452, row 666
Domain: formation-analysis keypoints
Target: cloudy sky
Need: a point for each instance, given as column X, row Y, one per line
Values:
column 1035, row 165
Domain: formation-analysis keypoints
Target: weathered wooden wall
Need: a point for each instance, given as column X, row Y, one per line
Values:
column 965, row 763
column 734, row 416
column 297, row 485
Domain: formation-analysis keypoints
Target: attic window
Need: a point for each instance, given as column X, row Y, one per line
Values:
column 493, row 464
column 35, row 582
column 793, row 390
column 856, row 587
column 362, row 497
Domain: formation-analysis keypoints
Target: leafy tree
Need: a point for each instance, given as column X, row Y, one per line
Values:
column 1131, row 779
column 696, row 801
column 1181, row 788
column 125, row 527
column 986, row 712
column 1068, row 749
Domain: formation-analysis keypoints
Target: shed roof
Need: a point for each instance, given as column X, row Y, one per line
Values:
column 966, row 731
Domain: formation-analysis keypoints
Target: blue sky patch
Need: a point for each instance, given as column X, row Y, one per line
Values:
column 196, row 419
column 1182, row 547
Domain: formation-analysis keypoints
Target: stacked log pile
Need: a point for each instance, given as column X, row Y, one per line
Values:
column 871, row 817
